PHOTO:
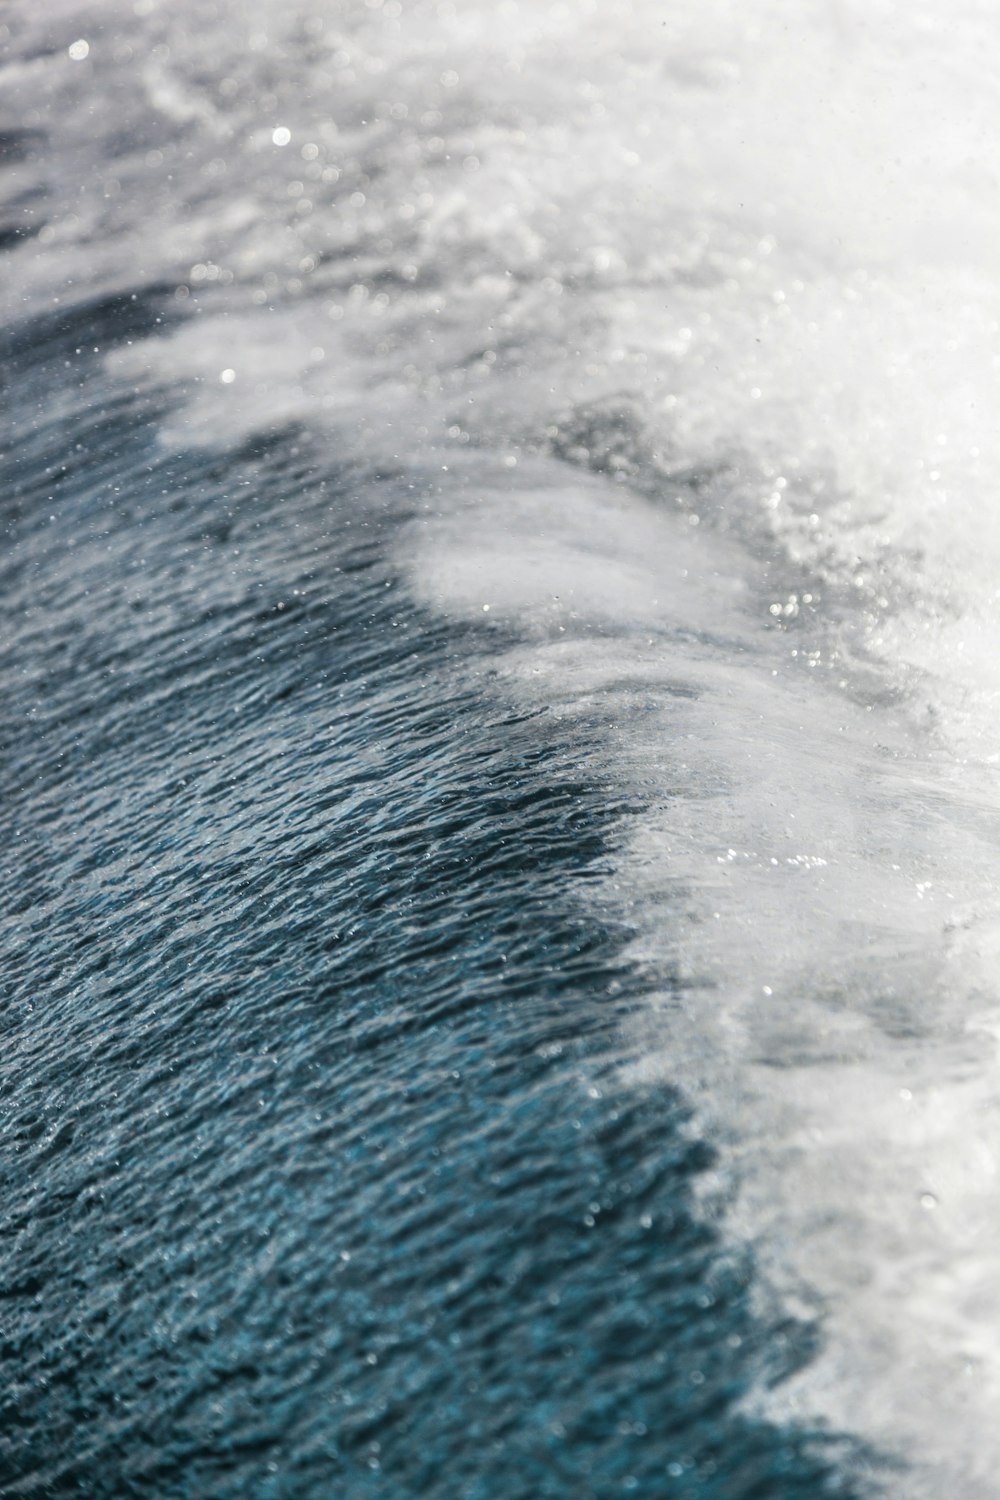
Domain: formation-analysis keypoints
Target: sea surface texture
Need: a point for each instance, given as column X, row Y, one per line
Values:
column 499, row 812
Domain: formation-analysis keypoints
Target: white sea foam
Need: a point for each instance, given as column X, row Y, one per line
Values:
column 685, row 323
column 822, row 893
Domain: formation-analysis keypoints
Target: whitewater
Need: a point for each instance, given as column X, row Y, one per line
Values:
column 659, row 344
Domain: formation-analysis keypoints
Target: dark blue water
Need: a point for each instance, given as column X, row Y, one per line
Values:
column 317, row 1179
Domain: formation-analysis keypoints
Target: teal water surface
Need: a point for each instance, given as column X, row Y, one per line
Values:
column 316, row 1178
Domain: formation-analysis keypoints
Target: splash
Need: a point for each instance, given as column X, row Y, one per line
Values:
column 684, row 329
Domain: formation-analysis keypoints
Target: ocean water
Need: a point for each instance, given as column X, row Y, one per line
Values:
column 501, row 837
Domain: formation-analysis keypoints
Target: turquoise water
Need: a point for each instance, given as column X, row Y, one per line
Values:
column 316, row 1177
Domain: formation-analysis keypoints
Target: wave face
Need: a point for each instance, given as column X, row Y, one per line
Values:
column 500, row 912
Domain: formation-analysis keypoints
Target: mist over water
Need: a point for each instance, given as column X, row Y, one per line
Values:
column 501, row 572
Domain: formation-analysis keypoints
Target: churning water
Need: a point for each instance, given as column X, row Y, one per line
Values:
column 501, row 841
